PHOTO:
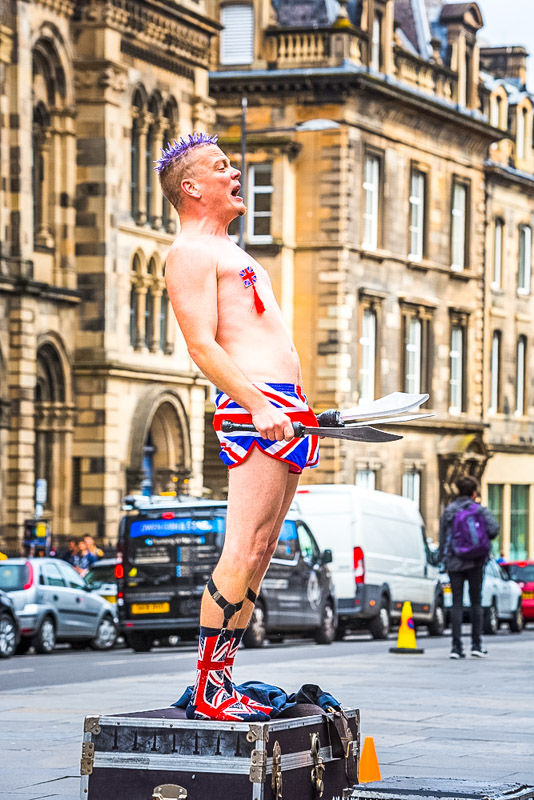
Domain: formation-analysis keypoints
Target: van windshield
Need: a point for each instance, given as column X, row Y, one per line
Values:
column 12, row 577
column 181, row 550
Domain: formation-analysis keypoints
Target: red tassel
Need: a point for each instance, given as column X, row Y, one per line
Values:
column 258, row 304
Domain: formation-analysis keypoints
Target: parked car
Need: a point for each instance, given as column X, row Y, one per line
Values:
column 501, row 599
column 381, row 557
column 102, row 580
column 9, row 627
column 54, row 604
column 168, row 553
column 523, row 573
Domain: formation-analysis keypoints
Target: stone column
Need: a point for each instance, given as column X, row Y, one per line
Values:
column 156, row 309
column 142, row 129
column 156, row 201
column 19, row 500
column 506, row 511
column 43, row 237
column 141, row 308
column 171, row 332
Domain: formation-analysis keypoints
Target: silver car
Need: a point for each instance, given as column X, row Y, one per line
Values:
column 54, row 604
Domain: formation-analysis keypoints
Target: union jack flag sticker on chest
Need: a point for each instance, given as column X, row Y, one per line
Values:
column 249, row 278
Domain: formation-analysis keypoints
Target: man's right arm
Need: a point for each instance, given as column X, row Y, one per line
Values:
column 191, row 279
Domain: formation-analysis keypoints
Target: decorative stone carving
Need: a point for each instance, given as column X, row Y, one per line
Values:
column 109, row 77
column 204, row 115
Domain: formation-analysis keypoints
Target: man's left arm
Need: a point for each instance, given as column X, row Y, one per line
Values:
column 492, row 526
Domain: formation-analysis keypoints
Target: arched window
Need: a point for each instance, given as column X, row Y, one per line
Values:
column 50, row 396
column 163, row 315
column 134, row 303
column 133, row 315
column 135, row 154
column 521, row 132
column 498, row 240
column 170, row 117
column 40, row 134
column 496, row 110
column 149, row 305
column 149, row 168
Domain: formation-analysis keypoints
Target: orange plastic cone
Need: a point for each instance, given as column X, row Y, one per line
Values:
column 406, row 642
column 368, row 770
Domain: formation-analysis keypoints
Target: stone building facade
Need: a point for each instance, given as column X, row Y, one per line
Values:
column 509, row 319
column 98, row 396
column 376, row 230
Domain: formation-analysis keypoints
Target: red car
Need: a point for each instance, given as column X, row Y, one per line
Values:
column 523, row 573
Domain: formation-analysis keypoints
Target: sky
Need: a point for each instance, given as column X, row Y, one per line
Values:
column 510, row 22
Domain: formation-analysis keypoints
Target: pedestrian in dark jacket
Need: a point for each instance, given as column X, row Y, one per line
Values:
column 462, row 569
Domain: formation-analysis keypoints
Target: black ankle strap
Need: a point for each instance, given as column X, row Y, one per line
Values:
column 228, row 609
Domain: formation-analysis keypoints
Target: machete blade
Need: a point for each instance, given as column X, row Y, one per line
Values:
column 357, row 434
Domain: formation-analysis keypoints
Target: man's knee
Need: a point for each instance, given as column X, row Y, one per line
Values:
column 246, row 561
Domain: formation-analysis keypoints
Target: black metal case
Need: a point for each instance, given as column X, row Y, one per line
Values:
column 160, row 754
column 401, row 788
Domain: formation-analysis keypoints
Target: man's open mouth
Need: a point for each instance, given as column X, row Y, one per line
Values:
column 235, row 192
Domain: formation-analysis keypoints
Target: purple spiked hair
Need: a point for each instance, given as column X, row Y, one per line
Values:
column 177, row 149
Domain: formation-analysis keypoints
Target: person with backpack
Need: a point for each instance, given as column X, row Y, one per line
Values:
column 465, row 532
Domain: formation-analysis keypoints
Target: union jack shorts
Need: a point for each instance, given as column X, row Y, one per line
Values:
column 289, row 398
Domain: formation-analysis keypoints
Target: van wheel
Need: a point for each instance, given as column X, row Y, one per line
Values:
column 140, row 642
column 491, row 619
column 517, row 623
column 437, row 625
column 44, row 640
column 254, row 635
column 380, row 625
column 327, row 632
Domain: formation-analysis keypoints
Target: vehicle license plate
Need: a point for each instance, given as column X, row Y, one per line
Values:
column 110, row 598
column 151, row 608
column 528, row 595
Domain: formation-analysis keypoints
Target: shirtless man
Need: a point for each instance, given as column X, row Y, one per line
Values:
column 235, row 333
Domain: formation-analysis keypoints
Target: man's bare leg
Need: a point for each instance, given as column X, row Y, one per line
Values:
column 257, row 489
column 248, row 606
column 255, row 584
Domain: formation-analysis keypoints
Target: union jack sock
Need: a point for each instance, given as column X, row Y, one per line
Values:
column 211, row 699
column 229, row 685
column 237, row 636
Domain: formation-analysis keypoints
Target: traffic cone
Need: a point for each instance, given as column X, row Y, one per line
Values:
column 368, row 769
column 406, row 639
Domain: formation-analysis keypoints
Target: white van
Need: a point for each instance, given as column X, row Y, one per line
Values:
column 380, row 556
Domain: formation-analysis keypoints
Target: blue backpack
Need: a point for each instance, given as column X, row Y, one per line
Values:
column 469, row 538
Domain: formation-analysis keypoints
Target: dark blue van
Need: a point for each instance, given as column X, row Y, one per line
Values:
column 168, row 549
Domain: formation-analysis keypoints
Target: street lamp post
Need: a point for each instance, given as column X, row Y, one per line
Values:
column 244, row 104
column 318, row 124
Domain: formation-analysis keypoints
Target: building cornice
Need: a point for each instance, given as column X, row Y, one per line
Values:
column 506, row 174
column 45, row 291
column 515, row 449
column 344, row 79
column 117, row 369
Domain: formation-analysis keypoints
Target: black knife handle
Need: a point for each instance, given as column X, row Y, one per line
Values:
column 246, row 427
column 330, row 419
